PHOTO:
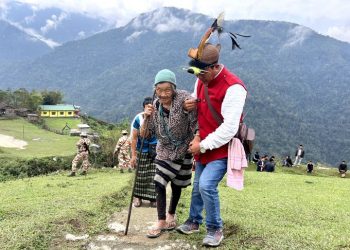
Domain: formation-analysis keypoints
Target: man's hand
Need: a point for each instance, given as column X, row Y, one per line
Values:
column 190, row 104
column 194, row 145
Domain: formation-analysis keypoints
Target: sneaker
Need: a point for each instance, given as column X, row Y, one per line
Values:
column 188, row 227
column 83, row 173
column 72, row 174
column 213, row 238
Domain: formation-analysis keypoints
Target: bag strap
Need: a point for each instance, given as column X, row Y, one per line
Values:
column 124, row 143
column 214, row 113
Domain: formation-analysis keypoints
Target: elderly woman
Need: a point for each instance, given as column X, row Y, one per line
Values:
column 174, row 129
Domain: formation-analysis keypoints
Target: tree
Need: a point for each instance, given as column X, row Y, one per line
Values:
column 36, row 99
column 51, row 97
column 20, row 98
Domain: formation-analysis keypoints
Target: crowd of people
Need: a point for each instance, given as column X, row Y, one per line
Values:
column 268, row 164
column 264, row 163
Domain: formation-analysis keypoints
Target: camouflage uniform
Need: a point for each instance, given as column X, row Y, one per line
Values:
column 83, row 154
column 123, row 149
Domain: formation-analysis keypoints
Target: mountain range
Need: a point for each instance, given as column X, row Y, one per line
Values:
column 17, row 45
column 52, row 26
column 297, row 79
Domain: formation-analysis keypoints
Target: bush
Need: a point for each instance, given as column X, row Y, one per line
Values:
column 15, row 168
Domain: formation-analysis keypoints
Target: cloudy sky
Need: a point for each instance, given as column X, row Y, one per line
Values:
column 328, row 17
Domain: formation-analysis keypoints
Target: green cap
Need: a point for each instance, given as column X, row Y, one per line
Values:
column 165, row 75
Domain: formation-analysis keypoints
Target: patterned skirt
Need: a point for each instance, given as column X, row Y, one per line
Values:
column 144, row 186
column 178, row 172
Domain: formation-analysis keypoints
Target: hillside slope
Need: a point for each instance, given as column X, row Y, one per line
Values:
column 41, row 143
column 298, row 80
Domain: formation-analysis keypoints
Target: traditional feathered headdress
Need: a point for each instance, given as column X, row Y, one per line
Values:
column 206, row 54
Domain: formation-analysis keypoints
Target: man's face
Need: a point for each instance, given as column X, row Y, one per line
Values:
column 207, row 75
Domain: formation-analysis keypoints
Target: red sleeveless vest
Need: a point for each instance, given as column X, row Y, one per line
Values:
column 206, row 122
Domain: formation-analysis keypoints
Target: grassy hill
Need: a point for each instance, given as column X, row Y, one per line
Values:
column 60, row 123
column 35, row 210
column 283, row 210
column 41, row 143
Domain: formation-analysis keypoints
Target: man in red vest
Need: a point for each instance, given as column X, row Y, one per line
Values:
column 226, row 94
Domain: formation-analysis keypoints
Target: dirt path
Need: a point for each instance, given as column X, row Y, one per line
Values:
column 142, row 219
column 10, row 142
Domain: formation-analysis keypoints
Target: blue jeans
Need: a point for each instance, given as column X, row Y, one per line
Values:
column 205, row 193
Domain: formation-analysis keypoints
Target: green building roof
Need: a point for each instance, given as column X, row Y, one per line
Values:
column 59, row 107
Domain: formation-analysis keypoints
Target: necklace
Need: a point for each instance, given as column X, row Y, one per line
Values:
column 166, row 127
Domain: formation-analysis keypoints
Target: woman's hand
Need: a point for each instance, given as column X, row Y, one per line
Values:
column 133, row 161
column 148, row 110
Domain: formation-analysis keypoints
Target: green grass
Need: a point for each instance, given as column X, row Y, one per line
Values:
column 287, row 209
column 283, row 211
column 41, row 143
column 34, row 212
column 59, row 123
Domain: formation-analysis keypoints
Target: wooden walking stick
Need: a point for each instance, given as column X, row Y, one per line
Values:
column 136, row 175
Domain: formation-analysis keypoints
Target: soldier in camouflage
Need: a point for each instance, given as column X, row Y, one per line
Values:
column 82, row 155
column 123, row 150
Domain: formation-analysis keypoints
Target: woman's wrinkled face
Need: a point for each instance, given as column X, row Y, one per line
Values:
column 165, row 92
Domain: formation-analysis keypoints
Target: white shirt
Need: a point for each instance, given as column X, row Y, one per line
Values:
column 299, row 152
column 231, row 110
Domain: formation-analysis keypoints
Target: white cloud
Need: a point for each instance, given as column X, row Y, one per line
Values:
column 81, row 35
column 298, row 35
column 134, row 36
column 340, row 32
column 29, row 19
column 162, row 20
column 53, row 22
column 34, row 35
column 3, row 10
column 320, row 15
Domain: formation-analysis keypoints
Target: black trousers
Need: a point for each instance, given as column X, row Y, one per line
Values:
column 161, row 200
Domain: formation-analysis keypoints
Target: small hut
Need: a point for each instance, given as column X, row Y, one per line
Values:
column 7, row 110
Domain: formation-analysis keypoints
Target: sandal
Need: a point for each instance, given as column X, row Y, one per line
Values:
column 155, row 232
column 137, row 202
column 171, row 224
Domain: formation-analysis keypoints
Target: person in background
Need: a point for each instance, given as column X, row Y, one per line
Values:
column 82, row 155
column 174, row 129
column 299, row 155
column 256, row 157
column 287, row 162
column 270, row 165
column 343, row 168
column 310, row 167
column 144, row 185
column 260, row 165
column 123, row 150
